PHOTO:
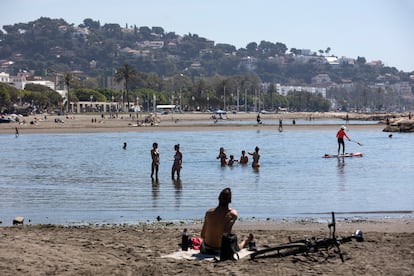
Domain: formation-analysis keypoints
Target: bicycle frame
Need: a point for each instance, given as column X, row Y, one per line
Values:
column 305, row 246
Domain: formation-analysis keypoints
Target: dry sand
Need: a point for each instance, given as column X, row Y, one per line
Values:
column 124, row 122
column 388, row 249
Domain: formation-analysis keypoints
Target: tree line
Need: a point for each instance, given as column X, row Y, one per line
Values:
column 93, row 52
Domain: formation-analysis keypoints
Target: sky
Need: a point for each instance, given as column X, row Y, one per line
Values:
column 373, row 29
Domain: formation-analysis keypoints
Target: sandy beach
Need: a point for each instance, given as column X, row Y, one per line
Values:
column 85, row 123
column 388, row 249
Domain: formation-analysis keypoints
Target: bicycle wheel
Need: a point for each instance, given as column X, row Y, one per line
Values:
column 280, row 251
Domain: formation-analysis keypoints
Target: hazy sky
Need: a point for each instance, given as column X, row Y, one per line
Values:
column 374, row 29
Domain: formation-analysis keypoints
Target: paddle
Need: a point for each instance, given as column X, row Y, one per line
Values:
column 360, row 144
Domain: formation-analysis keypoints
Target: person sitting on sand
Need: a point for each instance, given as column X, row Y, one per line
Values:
column 256, row 157
column 244, row 159
column 219, row 221
column 222, row 156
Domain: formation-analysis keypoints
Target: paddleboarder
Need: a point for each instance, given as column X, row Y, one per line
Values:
column 340, row 135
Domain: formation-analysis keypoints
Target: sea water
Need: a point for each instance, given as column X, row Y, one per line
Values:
column 89, row 178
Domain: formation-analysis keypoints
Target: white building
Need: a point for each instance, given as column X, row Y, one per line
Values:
column 284, row 90
column 20, row 81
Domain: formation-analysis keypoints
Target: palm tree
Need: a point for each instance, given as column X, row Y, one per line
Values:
column 125, row 73
column 68, row 79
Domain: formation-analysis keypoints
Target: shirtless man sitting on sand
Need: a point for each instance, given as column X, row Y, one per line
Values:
column 219, row 221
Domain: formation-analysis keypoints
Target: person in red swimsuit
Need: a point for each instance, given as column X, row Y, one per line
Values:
column 340, row 135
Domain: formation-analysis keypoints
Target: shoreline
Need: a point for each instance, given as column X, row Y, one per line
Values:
column 383, row 224
column 179, row 122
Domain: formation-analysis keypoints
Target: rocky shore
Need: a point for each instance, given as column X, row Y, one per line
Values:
column 400, row 125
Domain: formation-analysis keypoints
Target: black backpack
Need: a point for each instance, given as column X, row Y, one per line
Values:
column 229, row 247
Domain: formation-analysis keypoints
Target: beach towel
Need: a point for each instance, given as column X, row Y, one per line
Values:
column 193, row 254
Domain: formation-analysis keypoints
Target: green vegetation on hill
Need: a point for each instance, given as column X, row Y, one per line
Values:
column 192, row 70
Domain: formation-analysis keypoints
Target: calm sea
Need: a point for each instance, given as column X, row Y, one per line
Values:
column 89, row 178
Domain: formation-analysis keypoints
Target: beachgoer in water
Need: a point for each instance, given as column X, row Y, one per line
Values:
column 125, row 146
column 280, row 125
column 17, row 132
column 219, row 221
column 244, row 159
column 340, row 135
column 222, row 156
column 256, row 157
column 178, row 160
column 231, row 160
column 155, row 156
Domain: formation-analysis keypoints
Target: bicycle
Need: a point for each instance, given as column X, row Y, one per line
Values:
column 310, row 245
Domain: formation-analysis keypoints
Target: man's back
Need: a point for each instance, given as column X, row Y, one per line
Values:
column 217, row 221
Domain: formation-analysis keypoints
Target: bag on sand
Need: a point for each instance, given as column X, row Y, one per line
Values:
column 229, row 247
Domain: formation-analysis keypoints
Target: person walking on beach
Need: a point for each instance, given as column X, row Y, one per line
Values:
column 155, row 156
column 280, row 125
column 222, row 156
column 258, row 119
column 256, row 157
column 178, row 160
column 244, row 159
column 219, row 221
column 17, row 132
column 340, row 136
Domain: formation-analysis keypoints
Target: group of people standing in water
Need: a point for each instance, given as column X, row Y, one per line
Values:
column 177, row 163
column 244, row 159
column 222, row 156
column 178, row 159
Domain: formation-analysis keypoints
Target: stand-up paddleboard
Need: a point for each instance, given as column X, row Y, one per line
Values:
column 352, row 154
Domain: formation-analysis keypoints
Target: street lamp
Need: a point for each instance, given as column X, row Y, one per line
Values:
column 192, row 98
column 181, row 102
column 224, row 98
column 112, row 103
column 138, row 107
column 91, row 97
